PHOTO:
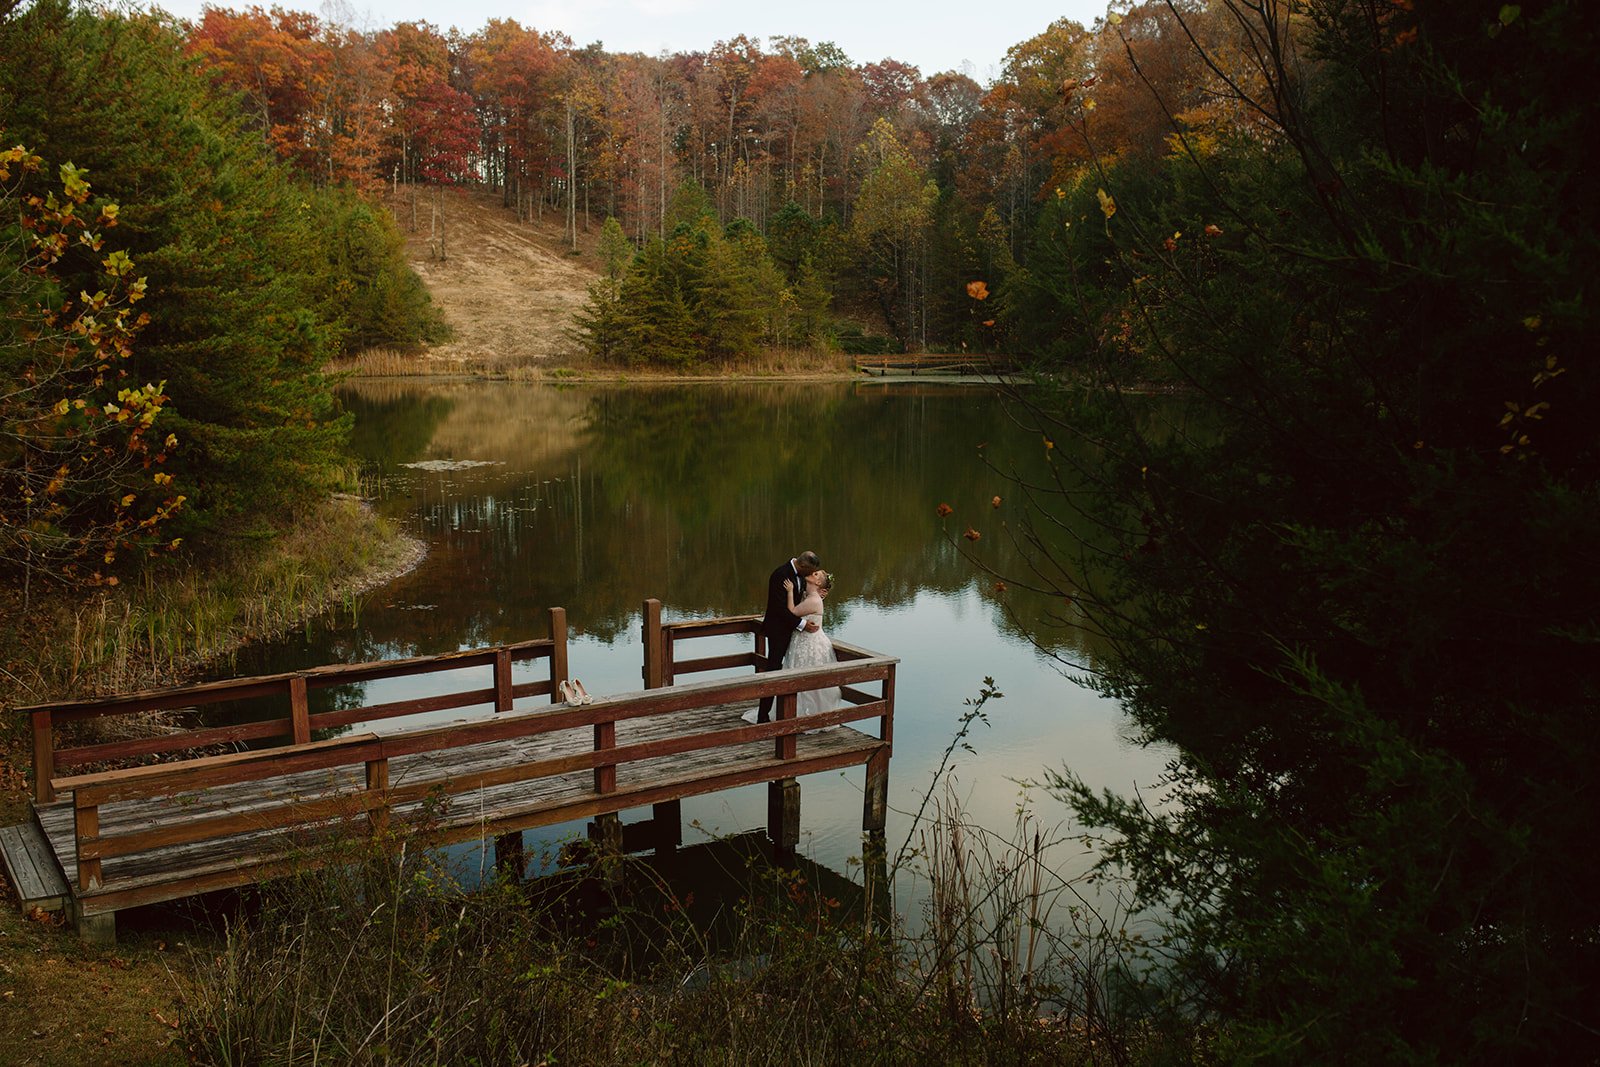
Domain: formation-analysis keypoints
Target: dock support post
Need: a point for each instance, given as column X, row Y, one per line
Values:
column 605, row 833
column 558, row 652
column 667, row 833
column 650, row 636
column 100, row 929
column 508, row 856
column 874, row 846
column 783, row 815
column 875, row 802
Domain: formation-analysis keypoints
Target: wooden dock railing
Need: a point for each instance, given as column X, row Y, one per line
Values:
column 662, row 667
column 134, row 835
column 295, row 723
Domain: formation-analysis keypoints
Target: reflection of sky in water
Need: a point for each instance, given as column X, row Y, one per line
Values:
column 587, row 499
column 947, row 645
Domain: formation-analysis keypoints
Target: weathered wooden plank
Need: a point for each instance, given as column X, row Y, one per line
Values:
column 44, row 858
column 395, row 709
column 165, row 699
column 295, row 812
column 175, row 742
column 732, row 624
column 37, row 883
column 173, row 778
column 714, row 663
column 348, row 673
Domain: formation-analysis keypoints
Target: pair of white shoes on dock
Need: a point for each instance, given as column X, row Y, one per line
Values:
column 573, row 692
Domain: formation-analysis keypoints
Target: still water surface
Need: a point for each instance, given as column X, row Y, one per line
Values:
column 594, row 498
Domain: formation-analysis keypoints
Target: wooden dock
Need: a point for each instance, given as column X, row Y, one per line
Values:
column 929, row 364
column 115, row 836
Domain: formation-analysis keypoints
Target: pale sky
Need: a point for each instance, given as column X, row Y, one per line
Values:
column 933, row 35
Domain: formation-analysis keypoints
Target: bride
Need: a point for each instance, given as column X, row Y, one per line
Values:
column 812, row 648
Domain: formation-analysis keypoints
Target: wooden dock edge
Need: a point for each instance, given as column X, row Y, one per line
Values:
column 108, row 900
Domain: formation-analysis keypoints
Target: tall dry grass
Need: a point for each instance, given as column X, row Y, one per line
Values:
column 383, row 958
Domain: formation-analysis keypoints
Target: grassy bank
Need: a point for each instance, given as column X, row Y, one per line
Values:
column 64, row 1003
column 797, row 363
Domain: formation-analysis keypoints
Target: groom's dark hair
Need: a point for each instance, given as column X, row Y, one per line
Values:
column 807, row 562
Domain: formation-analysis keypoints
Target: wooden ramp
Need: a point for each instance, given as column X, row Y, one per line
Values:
column 194, row 822
column 32, row 868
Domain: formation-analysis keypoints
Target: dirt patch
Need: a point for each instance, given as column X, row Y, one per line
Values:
column 509, row 289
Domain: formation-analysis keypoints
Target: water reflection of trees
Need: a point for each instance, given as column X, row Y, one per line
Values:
column 601, row 496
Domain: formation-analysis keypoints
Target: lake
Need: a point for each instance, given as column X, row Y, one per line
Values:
column 596, row 497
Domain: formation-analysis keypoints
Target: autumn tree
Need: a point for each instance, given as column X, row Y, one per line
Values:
column 890, row 231
column 244, row 308
column 81, row 484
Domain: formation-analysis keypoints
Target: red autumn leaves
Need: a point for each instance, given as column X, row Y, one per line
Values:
column 944, row 511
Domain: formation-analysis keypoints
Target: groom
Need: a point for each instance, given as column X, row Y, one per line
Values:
column 780, row 625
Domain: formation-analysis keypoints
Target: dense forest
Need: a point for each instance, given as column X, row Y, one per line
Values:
column 1357, row 237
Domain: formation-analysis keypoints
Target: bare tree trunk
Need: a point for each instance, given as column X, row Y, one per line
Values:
column 661, row 151
column 572, row 179
column 436, row 237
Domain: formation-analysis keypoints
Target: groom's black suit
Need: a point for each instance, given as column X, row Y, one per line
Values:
column 779, row 625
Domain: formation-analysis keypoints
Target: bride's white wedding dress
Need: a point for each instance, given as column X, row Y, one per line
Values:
column 807, row 649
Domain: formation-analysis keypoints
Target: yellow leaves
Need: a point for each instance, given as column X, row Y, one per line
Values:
column 1550, row 371
column 1061, row 194
column 162, row 478
column 1048, row 444
column 20, row 157
column 1108, row 204
column 118, row 264
column 1113, row 18
column 72, row 181
column 978, row 290
column 62, row 407
column 129, row 499
column 1171, row 243
column 171, row 441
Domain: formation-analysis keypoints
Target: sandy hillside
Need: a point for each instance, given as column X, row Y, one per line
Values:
column 509, row 289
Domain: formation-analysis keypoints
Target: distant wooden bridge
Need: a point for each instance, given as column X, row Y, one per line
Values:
column 931, row 364
column 107, row 836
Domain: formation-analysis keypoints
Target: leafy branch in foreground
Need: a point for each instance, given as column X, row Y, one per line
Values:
column 79, row 484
